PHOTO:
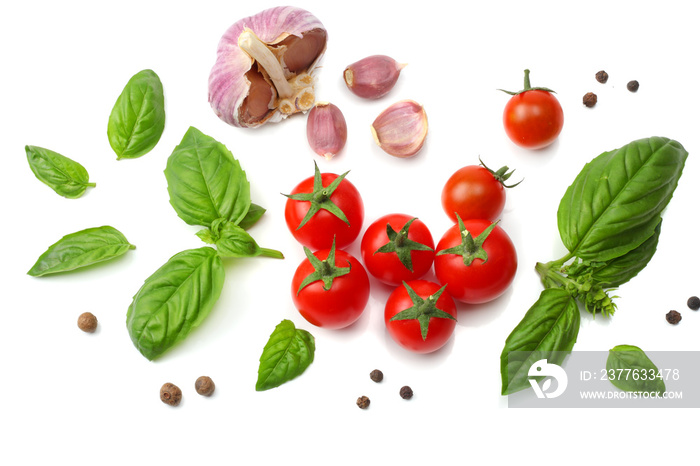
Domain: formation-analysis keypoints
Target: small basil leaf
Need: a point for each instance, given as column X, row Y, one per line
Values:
column 287, row 354
column 206, row 182
column 65, row 176
column 138, row 116
column 174, row 300
column 251, row 218
column 631, row 370
column 548, row 331
column 622, row 269
column 615, row 202
column 80, row 249
column 234, row 241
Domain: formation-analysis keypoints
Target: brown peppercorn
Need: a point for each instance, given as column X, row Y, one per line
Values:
column 87, row 322
column 406, row 392
column 170, row 394
column 632, row 86
column 204, row 385
column 363, row 402
column 694, row 303
column 376, row 375
column 601, row 77
column 590, row 99
column 673, row 317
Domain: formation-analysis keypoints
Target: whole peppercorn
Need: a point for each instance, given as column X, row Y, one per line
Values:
column 87, row 322
column 204, row 385
column 632, row 86
column 170, row 394
column 590, row 99
column 601, row 77
column 376, row 375
column 694, row 303
column 673, row 317
column 363, row 402
column 406, row 392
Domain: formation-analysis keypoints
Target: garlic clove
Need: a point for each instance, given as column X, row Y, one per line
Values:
column 401, row 129
column 372, row 77
column 326, row 129
column 265, row 62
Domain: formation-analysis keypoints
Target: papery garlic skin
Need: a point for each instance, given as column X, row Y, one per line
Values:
column 242, row 92
column 326, row 129
column 372, row 77
column 401, row 129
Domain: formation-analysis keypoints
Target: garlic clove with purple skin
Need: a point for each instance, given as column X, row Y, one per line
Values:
column 372, row 77
column 326, row 129
column 401, row 129
column 265, row 65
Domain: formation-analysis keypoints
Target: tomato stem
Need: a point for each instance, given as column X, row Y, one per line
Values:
column 526, row 83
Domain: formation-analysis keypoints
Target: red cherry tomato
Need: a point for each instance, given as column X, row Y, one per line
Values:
column 476, row 191
column 318, row 206
column 407, row 256
column 330, row 303
column 533, row 117
column 420, row 316
column 493, row 265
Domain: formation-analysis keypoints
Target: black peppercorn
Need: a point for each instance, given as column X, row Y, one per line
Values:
column 601, row 77
column 673, row 317
column 694, row 303
column 204, row 385
column 87, row 322
column 170, row 394
column 363, row 402
column 406, row 392
column 376, row 375
column 632, row 86
column 590, row 99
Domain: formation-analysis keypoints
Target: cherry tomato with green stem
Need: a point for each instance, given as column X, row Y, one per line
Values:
column 324, row 208
column 476, row 260
column 397, row 248
column 476, row 191
column 330, row 288
column 533, row 117
column 420, row 316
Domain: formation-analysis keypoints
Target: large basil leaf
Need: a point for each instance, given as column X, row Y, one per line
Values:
column 631, row 370
column 548, row 331
column 622, row 269
column 287, row 354
column 615, row 202
column 175, row 300
column 138, row 116
column 205, row 182
column 80, row 249
column 65, row 176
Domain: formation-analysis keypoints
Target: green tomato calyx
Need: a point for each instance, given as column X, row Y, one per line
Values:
column 470, row 248
column 501, row 175
column 423, row 309
column 527, row 86
column 325, row 270
column 400, row 244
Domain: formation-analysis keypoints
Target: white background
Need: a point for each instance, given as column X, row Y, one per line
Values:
column 93, row 399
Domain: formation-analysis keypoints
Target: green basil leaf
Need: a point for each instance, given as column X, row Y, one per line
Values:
column 80, row 249
column 251, row 218
column 175, row 300
column 234, row 241
column 631, row 370
column 205, row 182
column 65, row 176
column 138, row 116
column 287, row 354
column 622, row 269
column 615, row 202
column 548, row 331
